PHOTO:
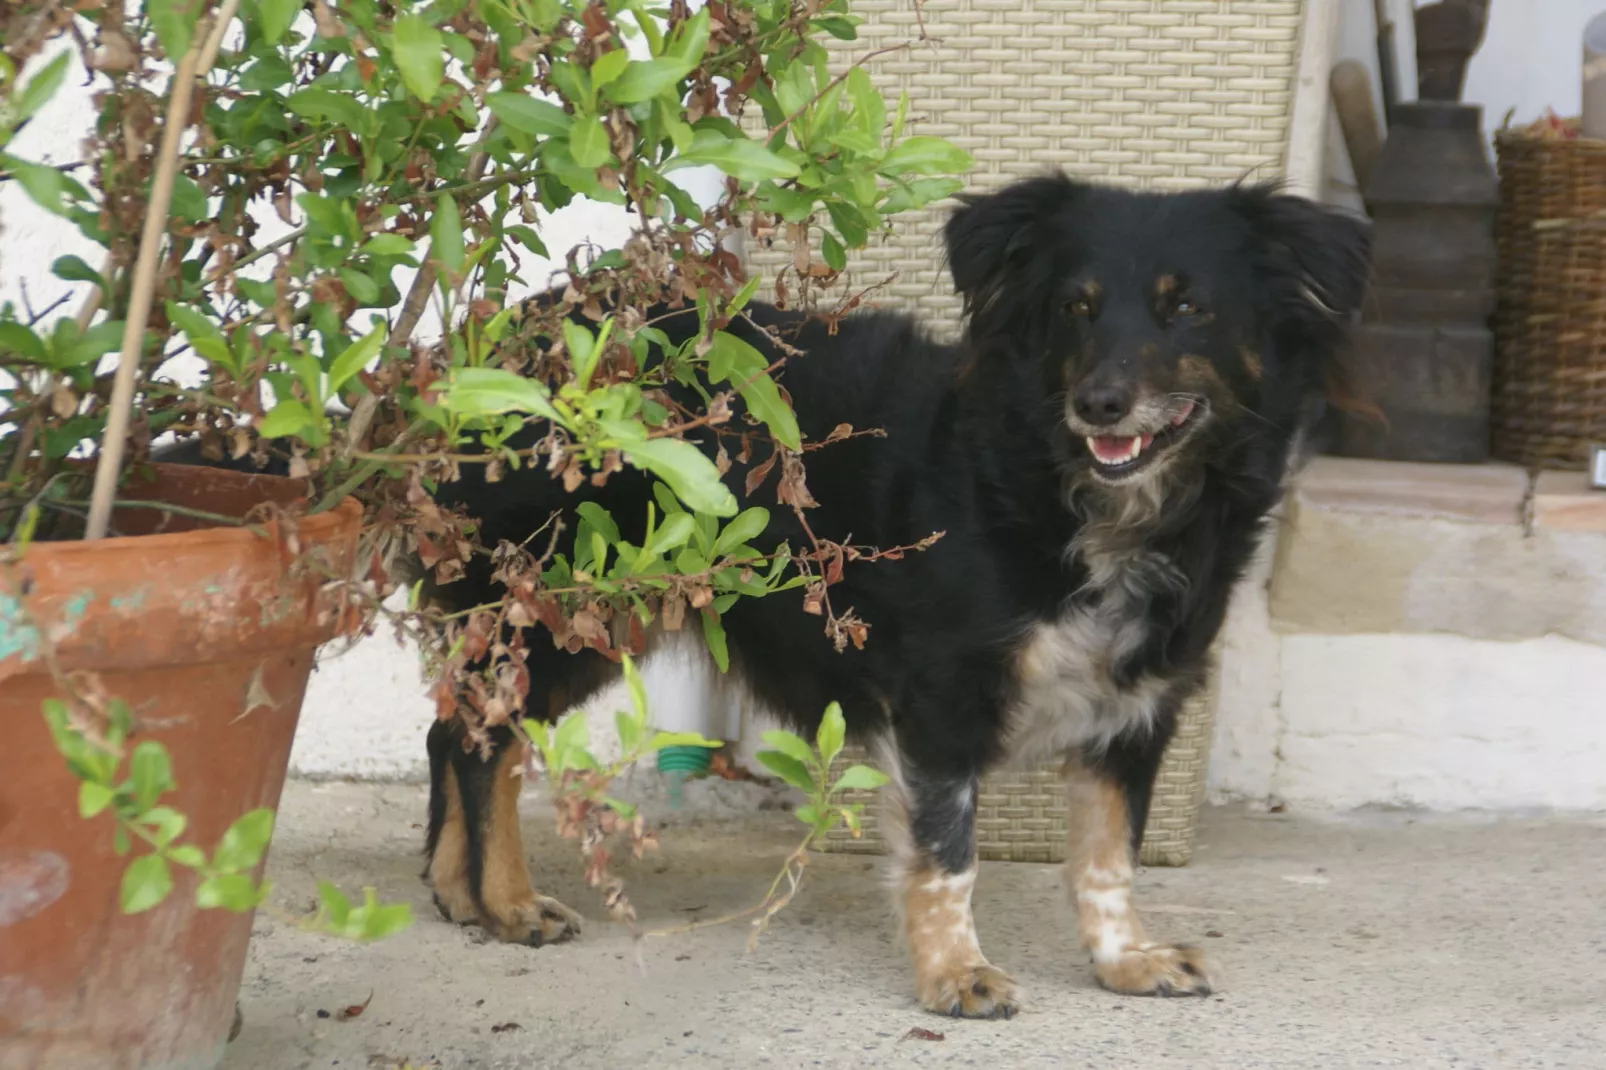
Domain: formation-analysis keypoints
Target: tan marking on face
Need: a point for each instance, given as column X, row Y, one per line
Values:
column 1165, row 286
column 1098, row 869
column 514, row 912
column 1198, row 374
column 448, row 866
column 1252, row 364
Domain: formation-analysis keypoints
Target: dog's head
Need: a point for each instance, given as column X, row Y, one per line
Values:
column 1166, row 328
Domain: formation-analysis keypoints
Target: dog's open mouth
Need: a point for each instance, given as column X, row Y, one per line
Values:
column 1118, row 456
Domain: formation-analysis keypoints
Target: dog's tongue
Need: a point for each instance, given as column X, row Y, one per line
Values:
column 1114, row 449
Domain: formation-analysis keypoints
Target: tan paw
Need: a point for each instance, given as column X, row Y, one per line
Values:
column 979, row 991
column 1156, row 970
column 537, row 921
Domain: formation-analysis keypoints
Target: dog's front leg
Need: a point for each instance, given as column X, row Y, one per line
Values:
column 1108, row 801
column 934, row 881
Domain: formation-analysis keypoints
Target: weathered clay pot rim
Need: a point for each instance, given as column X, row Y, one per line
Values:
column 195, row 595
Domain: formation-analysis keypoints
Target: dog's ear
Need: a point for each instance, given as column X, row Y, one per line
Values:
column 988, row 234
column 1314, row 260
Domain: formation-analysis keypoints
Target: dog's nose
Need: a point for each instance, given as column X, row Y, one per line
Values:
column 1102, row 404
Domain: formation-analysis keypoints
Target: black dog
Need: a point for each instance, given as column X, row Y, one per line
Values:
column 1101, row 449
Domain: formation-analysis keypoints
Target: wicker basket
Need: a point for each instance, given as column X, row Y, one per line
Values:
column 1021, row 813
column 1549, row 394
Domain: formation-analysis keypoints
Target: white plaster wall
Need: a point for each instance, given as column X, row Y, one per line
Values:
column 1435, row 721
column 1531, row 59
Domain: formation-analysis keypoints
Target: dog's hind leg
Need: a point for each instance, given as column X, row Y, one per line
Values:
column 1109, row 803
column 446, row 845
column 935, row 877
column 498, row 876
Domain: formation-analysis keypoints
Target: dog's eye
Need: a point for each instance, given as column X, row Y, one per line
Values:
column 1078, row 308
column 1184, row 307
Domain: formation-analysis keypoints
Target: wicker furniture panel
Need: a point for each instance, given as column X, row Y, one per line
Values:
column 1167, row 94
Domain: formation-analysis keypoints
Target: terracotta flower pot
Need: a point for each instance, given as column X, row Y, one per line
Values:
column 209, row 634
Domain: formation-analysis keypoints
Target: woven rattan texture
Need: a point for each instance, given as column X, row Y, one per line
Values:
column 1021, row 814
column 1549, row 395
column 1168, row 94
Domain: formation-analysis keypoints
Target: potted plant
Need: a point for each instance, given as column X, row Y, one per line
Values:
column 158, row 622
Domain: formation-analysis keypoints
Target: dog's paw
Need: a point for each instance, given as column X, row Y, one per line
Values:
column 537, row 921
column 976, row 991
column 1156, row 970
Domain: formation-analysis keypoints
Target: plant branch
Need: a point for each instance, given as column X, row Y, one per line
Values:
column 115, row 440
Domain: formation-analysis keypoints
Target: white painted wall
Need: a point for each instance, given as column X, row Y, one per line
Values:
column 1531, row 59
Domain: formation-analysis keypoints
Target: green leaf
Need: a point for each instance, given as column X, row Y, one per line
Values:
column 860, row 778
column 600, row 519
column 146, row 882
column 151, row 772
column 714, row 639
column 166, row 824
column 789, row 744
column 788, row 769
column 647, row 79
column 835, row 256
column 417, row 47
column 232, row 891
column 690, row 474
column 380, row 921
column 104, row 337
column 925, row 156
column 583, row 351
column 833, row 730
column 244, row 841
column 918, row 192
column 21, row 340
column 446, row 234
column 673, row 533
column 809, row 814
column 746, row 526
column 336, row 906
column 187, row 854
column 189, row 202
column 638, row 690
column 275, row 18
column 569, row 742
column 327, row 106
column 490, row 391
column 529, row 115
column 40, row 88
column 174, row 23
column 608, row 67
column 660, row 740
column 740, row 157
column 387, row 245
column 364, row 290
column 287, row 419
column 355, row 357
column 74, row 269
column 630, row 731
column 93, row 798
column 45, row 185
column 588, row 141
column 764, row 401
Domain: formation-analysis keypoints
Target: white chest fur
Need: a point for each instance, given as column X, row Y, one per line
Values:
column 1067, row 695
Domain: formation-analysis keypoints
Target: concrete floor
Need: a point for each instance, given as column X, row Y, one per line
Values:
column 1384, row 939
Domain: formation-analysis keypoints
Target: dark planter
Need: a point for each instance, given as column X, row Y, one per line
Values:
column 209, row 634
column 1424, row 352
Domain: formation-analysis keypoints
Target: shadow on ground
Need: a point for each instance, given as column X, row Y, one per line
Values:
column 1375, row 940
